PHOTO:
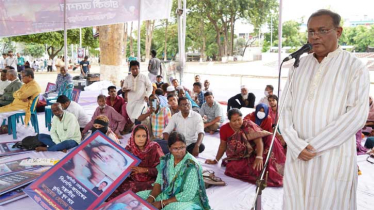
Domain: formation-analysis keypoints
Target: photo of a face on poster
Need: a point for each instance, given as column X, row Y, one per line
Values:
column 85, row 177
column 127, row 201
column 81, row 53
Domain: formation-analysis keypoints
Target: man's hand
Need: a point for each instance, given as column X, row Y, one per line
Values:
column 308, row 153
column 206, row 125
column 146, row 98
column 122, row 82
column 195, row 151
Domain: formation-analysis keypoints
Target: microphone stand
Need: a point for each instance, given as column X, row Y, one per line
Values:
column 261, row 182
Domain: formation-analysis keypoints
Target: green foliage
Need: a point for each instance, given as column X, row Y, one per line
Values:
column 361, row 37
column 34, row 50
column 6, row 45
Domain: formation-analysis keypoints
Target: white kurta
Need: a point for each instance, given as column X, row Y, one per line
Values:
column 327, row 105
column 140, row 87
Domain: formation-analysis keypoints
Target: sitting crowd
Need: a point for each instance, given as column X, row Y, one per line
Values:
column 168, row 124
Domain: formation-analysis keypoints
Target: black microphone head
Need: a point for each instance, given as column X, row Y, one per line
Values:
column 308, row 47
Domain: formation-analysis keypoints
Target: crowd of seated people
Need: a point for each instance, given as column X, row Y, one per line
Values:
column 168, row 124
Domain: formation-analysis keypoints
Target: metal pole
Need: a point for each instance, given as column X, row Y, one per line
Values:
column 80, row 37
column 271, row 31
column 66, row 60
column 139, row 27
column 280, row 34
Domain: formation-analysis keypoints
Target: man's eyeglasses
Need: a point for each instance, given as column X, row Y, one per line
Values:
column 177, row 149
column 320, row 32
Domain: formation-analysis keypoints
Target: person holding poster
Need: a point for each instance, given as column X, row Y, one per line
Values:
column 179, row 184
column 143, row 176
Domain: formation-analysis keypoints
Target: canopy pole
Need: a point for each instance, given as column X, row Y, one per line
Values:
column 66, row 60
column 280, row 34
column 139, row 27
column 181, row 13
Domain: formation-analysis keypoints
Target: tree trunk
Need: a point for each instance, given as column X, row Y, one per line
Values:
column 149, row 26
column 111, row 45
column 232, row 34
column 125, row 36
column 202, row 52
column 166, row 40
column 131, row 42
column 53, row 54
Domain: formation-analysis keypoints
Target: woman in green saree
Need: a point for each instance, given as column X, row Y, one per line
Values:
column 179, row 184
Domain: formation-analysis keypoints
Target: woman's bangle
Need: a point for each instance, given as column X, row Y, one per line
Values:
column 154, row 199
column 147, row 170
column 259, row 157
column 216, row 160
column 162, row 204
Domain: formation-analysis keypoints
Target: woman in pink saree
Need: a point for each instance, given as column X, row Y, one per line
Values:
column 246, row 146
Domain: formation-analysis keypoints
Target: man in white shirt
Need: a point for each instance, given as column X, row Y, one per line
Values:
column 11, row 60
column 2, row 61
column 4, row 82
column 76, row 109
column 188, row 123
column 137, row 87
column 49, row 64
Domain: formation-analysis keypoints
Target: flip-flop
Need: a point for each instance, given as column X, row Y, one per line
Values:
column 211, row 179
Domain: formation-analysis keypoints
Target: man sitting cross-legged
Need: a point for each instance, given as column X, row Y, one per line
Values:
column 190, row 124
column 75, row 109
column 212, row 114
column 65, row 132
column 116, row 121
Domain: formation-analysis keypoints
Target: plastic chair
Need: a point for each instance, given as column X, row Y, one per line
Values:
column 14, row 119
column 66, row 90
column 48, row 117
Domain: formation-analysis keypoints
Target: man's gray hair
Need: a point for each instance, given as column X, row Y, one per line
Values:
column 334, row 16
column 12, row 72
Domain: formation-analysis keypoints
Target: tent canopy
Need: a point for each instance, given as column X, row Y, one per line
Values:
column 21, row 17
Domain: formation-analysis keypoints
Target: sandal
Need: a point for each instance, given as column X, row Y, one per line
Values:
column 211, row 179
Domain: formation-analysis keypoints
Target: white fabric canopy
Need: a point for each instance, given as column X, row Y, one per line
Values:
column 20, row 17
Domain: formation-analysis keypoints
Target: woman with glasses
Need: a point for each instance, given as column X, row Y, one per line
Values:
column 179, row 184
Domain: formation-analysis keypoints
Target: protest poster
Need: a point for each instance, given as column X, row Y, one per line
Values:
column 14, row 166
column 85, row 177
column 12, row 196
column 81, row 53
column 11, row 181
column 127, row 200
column 6, row 148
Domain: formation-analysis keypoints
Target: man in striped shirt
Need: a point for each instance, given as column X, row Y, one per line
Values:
column 326, row 106
column 160, row 116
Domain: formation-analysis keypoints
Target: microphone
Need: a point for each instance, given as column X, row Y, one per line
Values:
column 306, row 48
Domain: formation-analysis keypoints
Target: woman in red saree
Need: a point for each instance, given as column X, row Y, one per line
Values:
column 246, row 146
column 144, row 175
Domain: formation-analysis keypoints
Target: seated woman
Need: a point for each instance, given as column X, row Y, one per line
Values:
column 179, row 184
column 246, row 145
column 261, row 117
column 101, row 123
column 144, row 175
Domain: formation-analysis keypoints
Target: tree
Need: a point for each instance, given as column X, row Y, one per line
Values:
column 6, row 45
column 34, row 50
column 291, row 35
column 55, row 40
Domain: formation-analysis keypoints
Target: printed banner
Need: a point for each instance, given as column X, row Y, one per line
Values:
column 20, row 17
column 12, row 196
column 6, row 148
column 127, row 200
column 9, row 182
column 14, row 166
column 85, row 177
